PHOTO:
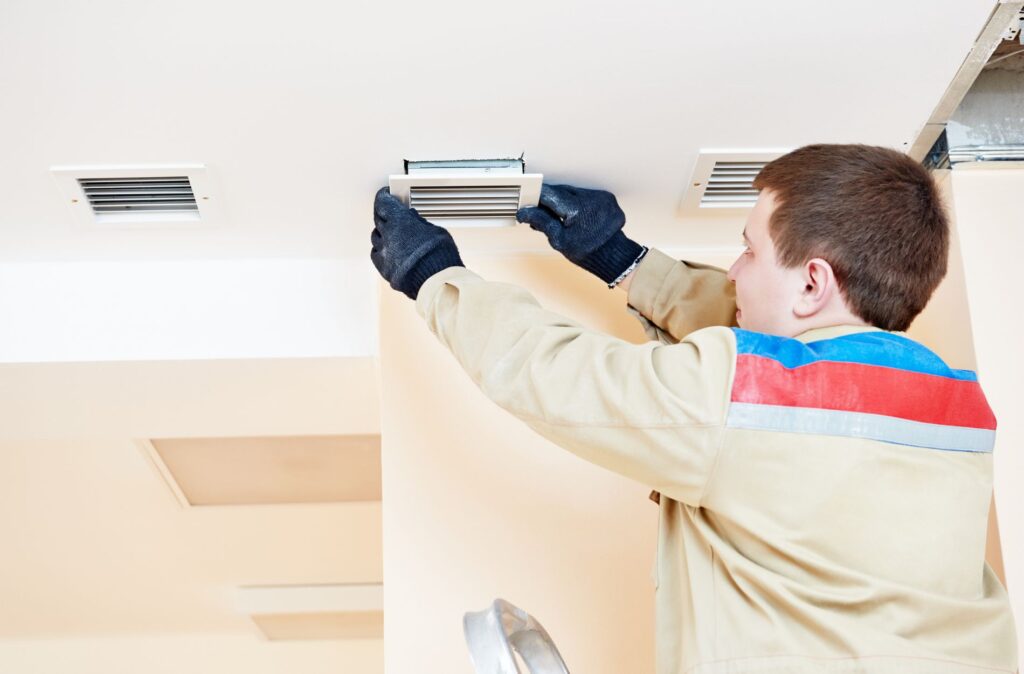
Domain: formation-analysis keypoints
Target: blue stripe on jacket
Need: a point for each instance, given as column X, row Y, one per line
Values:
column 883, row 349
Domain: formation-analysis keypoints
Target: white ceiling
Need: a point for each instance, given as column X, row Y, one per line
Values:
column 301, row 110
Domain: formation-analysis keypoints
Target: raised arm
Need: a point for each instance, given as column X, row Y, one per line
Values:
column 652, row 412
column 670, row 298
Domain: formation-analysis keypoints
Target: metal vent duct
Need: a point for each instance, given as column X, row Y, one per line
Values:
column 988, row 153
column 123, row 195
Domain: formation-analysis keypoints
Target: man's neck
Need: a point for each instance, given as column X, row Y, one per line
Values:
column 830, row 331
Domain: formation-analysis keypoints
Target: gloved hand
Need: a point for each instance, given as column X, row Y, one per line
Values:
column 406, row 249
column 586, row 227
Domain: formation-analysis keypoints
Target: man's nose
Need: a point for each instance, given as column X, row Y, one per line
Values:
column 731, row 274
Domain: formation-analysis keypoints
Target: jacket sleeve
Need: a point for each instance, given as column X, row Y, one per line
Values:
column 652, row 412
column 672, row 298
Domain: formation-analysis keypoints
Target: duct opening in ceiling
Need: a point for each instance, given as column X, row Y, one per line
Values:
column 980, row 119
column 988, row 125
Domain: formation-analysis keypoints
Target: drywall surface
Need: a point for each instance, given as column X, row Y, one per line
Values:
column 944, row 326
column 186, row 309
column 194, row 654
column 97, row 546
column 299, row 111
column 478, row 506
column 991, row 226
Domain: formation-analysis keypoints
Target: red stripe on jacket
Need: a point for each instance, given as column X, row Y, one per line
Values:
column 870, row 389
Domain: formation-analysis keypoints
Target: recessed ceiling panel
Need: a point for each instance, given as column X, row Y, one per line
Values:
column 338, row 611
column 266, row 470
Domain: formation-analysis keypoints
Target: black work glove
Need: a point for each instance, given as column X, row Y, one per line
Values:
column 586, row 227
column 407, row 250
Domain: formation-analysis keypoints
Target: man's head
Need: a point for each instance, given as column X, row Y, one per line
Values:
column 840, row 234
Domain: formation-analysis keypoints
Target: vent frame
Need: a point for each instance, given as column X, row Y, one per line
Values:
column 206, row 214
column 695, row 201
column 503, row 187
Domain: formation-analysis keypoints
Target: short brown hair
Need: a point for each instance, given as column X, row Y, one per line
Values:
column 873, row 213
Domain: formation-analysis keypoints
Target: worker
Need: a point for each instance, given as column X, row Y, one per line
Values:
column 824, row 481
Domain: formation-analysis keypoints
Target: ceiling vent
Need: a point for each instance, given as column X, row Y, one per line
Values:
column 172, row 194
column 138, row 195
column 724, row 179
column 467, row 193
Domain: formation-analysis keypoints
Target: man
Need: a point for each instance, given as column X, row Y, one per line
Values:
column 824, row 480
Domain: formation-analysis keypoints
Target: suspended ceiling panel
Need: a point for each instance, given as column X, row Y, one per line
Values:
column 298, row 114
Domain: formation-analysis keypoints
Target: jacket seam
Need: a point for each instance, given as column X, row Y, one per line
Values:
column 657, row 296
column 657, row 293
column 714, row 463
column 721, row 437
column 714, row 598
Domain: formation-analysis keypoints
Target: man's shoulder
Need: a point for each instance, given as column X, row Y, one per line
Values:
column 863, row 383
column 856, row 345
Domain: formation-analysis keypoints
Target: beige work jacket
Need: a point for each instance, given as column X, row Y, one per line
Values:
column 824, row 499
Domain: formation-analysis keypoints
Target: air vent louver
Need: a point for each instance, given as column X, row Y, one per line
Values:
column 465, row 202
column 143, row 196
column 467, row 192
column 724, row 180
column 731, row 185
column 124, row 195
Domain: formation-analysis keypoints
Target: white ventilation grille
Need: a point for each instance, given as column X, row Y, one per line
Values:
column 724, row 179
column 467, row 193
column 139, row 195
column 123, row 195
column 499, row 201
column 731, row 185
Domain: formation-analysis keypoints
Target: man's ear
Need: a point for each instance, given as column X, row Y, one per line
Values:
column 819, row 288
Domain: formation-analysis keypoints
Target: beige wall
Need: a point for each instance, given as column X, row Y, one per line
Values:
column 477, row 506
column 944, row 325
column 189, row 655
column 991, row 224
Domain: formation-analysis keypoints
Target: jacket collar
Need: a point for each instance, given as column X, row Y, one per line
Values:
column 818, row 334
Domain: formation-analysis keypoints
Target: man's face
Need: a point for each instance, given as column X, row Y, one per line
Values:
column 765, row 291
